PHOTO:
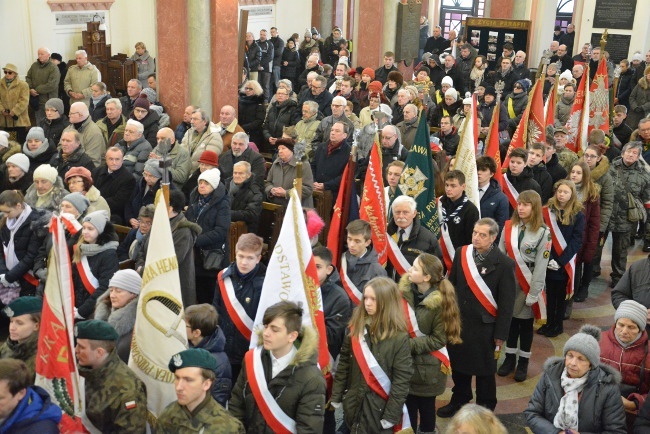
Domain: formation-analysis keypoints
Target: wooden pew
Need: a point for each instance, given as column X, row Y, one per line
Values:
column 270, row 225
column 237, row 229
column 324, row 205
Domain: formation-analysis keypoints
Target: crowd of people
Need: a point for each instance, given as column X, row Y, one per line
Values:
column 530, row 248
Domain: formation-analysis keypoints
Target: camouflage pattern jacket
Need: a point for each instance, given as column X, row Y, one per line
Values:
column 208, row 417
column 633, row 179
column 25, row 351
column 116, row 399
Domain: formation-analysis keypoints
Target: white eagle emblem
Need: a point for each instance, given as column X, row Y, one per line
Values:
column 178, row 360
column 8, row 312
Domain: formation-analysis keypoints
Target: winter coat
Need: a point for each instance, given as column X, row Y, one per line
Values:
column 266, row 52
column 420, row 240
column 634, row 284
column 563, row 110
column 21, row 184
column 509, row 79
column 535, row 249
column 209, row 416
column 328, row 168
column 184, row 235
column 361, row 270
column 436, row 45
column 524, row 181
column 251, row 115
column 601, row 176
column 25, row 351
column 624, row 90
column 622, row 134
column 555, row 169
column 227, row 132
column 195, row 143
column 590, row 235
column 460, row 228
column 35, row 413
column 118, row 132
column 27, row 242
column 639, row 102
column 573, row 234
column 181, row 129
column 278, row 117
column 306, row 130
column 50, row 201
column 53, row 130
column 442, row 109
column 98, row 111
column 449, row 141
column 246, row 203
column 600, row 409
column 214, row 221
column 116, row 188
column 494, row 204
column 151, row 126
column 42, row 155
column 363, row 409
column 139, row 198
column 487, row 111
column 544, row 180
column 215, row 344
column 44, row 79
column 78, row 158
column 519, row 102
column 290, row 71
column 520, row 71
column 282, row 175
column 427, row 380
column 299, row 390
column 329, row 46
column 14, row 96
column 136, row 154
column 253, row 56
column 146, row 66
column 248, row 289
column 324, row 101
column 122, row 320
column 325, row 127
column 103, row 263
column 408, row 130
column 337, row 308
column 181, row 164
column 80, row 80
column 633, row 179
column 475, row 356
column 92, row 140
column 258, row 167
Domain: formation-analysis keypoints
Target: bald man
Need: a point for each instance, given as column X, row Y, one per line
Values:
column 228, row 125
column 519, row 68
column 180, row 157
column 43, row 81
column 92, row 138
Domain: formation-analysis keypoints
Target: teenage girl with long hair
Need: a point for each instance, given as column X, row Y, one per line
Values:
column 433, row 320
column 378, row 335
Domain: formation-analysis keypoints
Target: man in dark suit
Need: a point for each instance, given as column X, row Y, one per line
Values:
column 484, row 279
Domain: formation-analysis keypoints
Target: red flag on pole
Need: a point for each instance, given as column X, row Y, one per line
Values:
column 492, row 141
column 373, row 206
column 577, row 125
column 341, row 213
column 551, row 102
column 599, row 99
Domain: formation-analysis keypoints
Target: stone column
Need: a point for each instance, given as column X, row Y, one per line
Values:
column 368, row 50
column 225, row 40
column 200, row 53
column 326, row 12
column 172, row 60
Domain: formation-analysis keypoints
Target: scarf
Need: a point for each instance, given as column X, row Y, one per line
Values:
column 41, row 149
column 331, row 147
column 96, row 100
column 567, row 414
column 234, row 188
column 480, row 257
column 13, row 225
column 629, row 344
column 446, row 218
column 476, row 74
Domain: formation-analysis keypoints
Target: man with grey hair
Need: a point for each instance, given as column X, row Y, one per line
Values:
column 135, row 147
column 228, row 125
column 179, row 156
column 245, row 196
column 330, row 159
column 91, row 136
column 408, row 233
column 306, row 128
column 133, row 89
column 112, row 125
column 409, row 126
column 310, row 66
column 519, row 68
column 240, row 151
column 71, row 154
column 317, row 92
column 338, row 115
column 43, row 80
column 391, row 147
column 80, row 78
column 203, row 136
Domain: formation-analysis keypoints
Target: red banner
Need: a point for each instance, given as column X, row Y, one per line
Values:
column 599, row 99
column 532, row 125
column 576, row 123
column 373, row 206
column 492, row 141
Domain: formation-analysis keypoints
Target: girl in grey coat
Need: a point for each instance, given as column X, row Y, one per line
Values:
column 577, row 392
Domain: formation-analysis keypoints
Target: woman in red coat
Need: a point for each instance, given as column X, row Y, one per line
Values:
column 589, row 194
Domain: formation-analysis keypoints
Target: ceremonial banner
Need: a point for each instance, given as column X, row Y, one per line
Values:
column 599, row 99
column 159, row 331
column 466, row 160
column 532, row 126
column 492, row 141
column 291, row 275
column 56, row 367
column 551, row 102
column 346, row 209
column 578, row 123
column 417, row 178
column 373, row 208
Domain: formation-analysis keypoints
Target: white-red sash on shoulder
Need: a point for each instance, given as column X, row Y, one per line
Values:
column 414, row 331
column 87, row 277
column 447, row 247
column 476, row 282
column 237, row 313
column 396, row 257
column 559, row 244
column 509, row 190
column 375, row 376
column 353, row 292
column 274, row 416
column 523, row 273
column 71, row 224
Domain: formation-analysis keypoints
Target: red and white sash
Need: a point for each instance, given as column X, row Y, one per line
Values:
column 523, row 273
column 509, row 190
column 87, row 277
column 274, row 416
column 353, row 292
column 29, row 276
column 237, row 313
column 396, row 257
column 375, row 376
column 447, row 247
column 71, row 224
column 475, row 280
column 559, row 244
column 414, row 331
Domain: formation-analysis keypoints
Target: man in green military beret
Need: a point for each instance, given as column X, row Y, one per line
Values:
column 116, row 399
column 195, row 410
column 24, row 315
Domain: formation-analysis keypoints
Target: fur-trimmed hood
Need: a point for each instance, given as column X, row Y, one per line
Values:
column 93, row 194
column 14, row 148
column 307, row 345
column 608, row 374
column 601, row 169
column 123, row 319
column 431, row 301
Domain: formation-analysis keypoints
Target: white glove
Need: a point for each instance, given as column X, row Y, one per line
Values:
column 385, row 424
column 553, row 265
column 530, row 300
column 4, row 281
column 41, row 273
column 76, row 314
column 335, row 404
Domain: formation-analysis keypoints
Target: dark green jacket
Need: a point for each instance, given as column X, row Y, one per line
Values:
column 633, row 179
column 428, row 379
column 25, row 351
column 44, row 78
column 208, row 417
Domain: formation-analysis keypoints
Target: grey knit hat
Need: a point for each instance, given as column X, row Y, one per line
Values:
column 56, row 104
column 78, row 201
column 634, row 311
column 127, row 280
column 97, row 219
column 20, row 160
column 586, row 343
column 35, row 133
column 153, row 167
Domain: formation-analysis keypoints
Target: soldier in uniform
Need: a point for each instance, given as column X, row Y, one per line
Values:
column 116, row 399
column 195, row 411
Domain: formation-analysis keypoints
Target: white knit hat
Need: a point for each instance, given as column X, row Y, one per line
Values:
column 19, row 160
column 47, row 172
column 4, row 139
column 634, row 311
column 128, row 280
column 447, row 80
column 452, row 93
column 567, row 74
column 212, row 177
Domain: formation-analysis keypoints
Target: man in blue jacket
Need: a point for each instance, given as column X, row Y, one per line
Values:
column 494, row 203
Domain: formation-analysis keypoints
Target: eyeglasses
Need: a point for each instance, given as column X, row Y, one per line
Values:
column 8, row 72
column 140, row 110
column 144, row 223
column 387, row 137
column 517, row 86
column 590, row 156
column 75, row 181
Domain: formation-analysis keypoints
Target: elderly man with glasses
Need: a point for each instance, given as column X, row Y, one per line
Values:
column 92, row 137
column 338, row 115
